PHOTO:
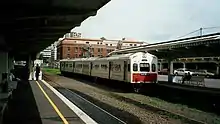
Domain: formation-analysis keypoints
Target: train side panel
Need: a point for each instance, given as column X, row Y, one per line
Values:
column 86, row 68
column 78, row 67
column 100, row 69
column 117, row 70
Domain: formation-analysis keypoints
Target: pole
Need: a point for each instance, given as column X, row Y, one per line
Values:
column 200, row 31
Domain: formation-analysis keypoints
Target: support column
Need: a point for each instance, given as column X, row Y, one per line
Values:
column 170, row 66
column 184, row 65
column 30, row 64
column 3, row 64
column 10, row 63
column 196, row 66
column 170, row 75
column 217, row 70
column 161, row 66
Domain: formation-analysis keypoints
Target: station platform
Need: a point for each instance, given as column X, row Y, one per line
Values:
column 34, row 103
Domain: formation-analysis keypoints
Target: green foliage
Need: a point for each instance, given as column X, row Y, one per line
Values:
column 52, row 71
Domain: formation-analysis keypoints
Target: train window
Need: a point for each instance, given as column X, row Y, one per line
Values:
column 96, row 66
column 145, row 67
column 153, row 67
column 129, row 67
column 85, row 66
column 104, row 67
column 79, row 66
column 135, row 67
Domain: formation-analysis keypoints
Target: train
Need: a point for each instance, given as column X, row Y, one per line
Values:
column 136, row 69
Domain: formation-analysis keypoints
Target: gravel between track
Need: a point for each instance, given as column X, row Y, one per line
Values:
column 145, row 116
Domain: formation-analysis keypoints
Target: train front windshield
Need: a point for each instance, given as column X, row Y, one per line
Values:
column 144, row 67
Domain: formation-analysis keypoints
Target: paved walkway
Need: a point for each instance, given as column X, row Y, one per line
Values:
column 32, row 104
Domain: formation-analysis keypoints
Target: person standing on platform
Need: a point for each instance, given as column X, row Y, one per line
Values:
column 37, row 72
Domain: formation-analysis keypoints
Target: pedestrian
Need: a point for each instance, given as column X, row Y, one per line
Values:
column 37, row 71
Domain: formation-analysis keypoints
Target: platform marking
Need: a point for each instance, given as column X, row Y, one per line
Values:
column 74, row 108
column 53, row 105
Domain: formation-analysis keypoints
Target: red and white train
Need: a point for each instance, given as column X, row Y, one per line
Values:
column 135, row 68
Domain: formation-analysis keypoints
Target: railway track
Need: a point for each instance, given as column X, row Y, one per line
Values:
column 147, row 107
column 94, row 111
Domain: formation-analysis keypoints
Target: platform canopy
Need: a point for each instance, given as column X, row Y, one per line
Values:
column 29, row 26
column 201, row 46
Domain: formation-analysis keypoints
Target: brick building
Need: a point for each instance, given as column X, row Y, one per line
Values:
column 73, row 47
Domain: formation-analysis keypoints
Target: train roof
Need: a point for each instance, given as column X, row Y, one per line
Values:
column 113, row 57
column 80, row 59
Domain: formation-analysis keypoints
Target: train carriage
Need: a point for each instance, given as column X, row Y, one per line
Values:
column 135, row 68
column 88, row 65
column 100, row 68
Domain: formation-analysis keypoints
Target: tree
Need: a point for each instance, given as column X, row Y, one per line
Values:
column 103, row 38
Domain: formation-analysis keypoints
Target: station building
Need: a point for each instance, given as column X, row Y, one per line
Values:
column 72, row 47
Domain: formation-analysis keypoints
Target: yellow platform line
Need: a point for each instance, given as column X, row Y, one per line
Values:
column 53, row 105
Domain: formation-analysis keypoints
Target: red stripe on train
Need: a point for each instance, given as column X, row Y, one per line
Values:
column 137, row 77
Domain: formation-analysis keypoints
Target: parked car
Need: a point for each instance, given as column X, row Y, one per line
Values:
column 183, row 71
column 206, row 73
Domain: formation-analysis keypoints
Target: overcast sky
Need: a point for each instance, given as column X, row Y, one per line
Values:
column 151, row 20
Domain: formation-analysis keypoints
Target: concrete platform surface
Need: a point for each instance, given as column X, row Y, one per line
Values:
column 209, row 83
column 34, row 103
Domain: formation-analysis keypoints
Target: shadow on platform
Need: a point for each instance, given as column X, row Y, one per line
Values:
column 22, row 108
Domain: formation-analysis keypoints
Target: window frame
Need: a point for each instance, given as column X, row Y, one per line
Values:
column 135, row 67
column 153, row 67
column 144, row 70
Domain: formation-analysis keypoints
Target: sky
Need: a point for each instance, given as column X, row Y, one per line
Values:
column 151, row 20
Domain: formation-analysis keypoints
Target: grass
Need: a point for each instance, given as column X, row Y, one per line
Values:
column 51, row 71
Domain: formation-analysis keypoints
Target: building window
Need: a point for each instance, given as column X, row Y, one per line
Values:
column 100, row 43
column 68, row 48
column 76, row 49
column 68, row 55
column 110, row 44
column 130, row 44
column 106, row 44
column 87, row 42
column 97, row 42
column 98, row 49
column 135, row 44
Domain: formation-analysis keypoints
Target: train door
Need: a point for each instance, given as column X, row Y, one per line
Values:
column 129, row 72
column 91, row 65
column 109, row 70
column 125, row 70
column 73, row 67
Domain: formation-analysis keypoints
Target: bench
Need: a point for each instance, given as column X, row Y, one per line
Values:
column 195, row 80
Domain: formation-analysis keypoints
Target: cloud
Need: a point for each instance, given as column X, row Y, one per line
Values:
column 151, row 20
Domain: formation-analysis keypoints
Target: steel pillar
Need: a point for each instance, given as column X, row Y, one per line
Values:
column 170, row 66
column 3, row 63
column 184, row 65
column 161, row 66
column 217, row 70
